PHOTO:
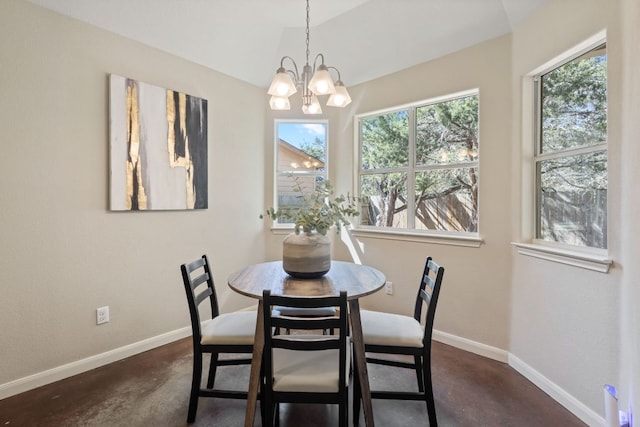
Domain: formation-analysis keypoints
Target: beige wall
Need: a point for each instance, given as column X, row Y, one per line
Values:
column 475, row 297
column 630, row 208
column 564, row 320
column 62, row 253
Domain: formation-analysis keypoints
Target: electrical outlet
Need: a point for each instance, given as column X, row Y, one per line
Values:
column 102, row 315
column 388, row 288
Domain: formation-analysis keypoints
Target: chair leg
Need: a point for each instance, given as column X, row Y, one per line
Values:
column 267, row 411
column 428, row 392
column 431, row 405
column 356, row 396
column 419, row 372
column 343, row 411
column 195, row 387
column 271, row 412
column 213, row 366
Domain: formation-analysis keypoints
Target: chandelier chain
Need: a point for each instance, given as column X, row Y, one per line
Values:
column 308, row 31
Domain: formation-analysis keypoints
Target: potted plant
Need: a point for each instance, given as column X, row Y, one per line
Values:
column 306, row 253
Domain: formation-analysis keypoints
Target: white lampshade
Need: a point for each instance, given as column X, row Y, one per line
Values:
column 321, row 83
column 282, row 84
column 279, row 103
column 340, row 98
column 314, row 107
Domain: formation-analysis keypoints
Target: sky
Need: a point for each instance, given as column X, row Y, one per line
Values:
column 295, row 133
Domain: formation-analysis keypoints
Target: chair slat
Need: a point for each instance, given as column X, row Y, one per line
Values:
column 306, row 345
column 199, row 280
column 305, row 323
column 203, row 295
column 192, row 266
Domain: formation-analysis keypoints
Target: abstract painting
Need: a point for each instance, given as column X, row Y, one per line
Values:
column 158, row 148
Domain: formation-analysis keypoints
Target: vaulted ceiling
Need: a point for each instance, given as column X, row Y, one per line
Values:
column 246, row 39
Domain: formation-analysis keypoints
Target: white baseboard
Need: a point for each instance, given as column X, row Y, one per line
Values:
column 579, row 409
column 558, row 394
column 471, row 346
column 65, row 371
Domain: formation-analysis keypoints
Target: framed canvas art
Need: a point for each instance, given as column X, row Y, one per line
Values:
column 158, row 148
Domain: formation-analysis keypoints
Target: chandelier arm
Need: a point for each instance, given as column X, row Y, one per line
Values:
column 315, row 61
column 337, row 71
column 294, row 73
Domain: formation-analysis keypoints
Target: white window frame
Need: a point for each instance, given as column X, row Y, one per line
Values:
column 583, row 257
column 466, row 239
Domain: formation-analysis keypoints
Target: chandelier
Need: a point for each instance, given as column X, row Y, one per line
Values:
column 314, row 81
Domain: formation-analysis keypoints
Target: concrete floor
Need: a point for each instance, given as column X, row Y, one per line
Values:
column 152, row 389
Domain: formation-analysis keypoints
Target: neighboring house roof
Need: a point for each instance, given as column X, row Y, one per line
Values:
column 303, row 156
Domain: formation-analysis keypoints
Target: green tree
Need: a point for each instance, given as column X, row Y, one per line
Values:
column 385, row 144
column 446, row 134
column 316, row 148
column 572, row 190
column 574, row 114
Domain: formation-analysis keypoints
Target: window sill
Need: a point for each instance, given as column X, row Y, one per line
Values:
column 405, row 236
column 282, row 230
column 408, row 236
column 577, row 259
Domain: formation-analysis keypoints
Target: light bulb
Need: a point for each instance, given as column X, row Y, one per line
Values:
column 282, row 90
column 338, row 100
column 341, row 96
column 322, row 88
column 279, row 103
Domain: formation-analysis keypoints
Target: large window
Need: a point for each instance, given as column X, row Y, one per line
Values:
column 301, row 160
column 418, row 166
column 571, row 151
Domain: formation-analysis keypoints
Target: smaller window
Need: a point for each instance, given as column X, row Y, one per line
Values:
column 571, row 151
column 301, row 161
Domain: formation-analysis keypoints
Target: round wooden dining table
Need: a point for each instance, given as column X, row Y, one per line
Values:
column 356, row 279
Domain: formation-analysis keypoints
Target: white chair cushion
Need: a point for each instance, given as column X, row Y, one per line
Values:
column 313, row 311
column 390, row 329
column 308, row 371
column 234, row 328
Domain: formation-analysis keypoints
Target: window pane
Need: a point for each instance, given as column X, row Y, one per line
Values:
column 574, row 103
column 386, row 195
column 291, row 190
column 301, row 152
column 572, row 201
column 447, row 200
column 447, row 132
column 301, row 146
column 385, row 141
column 442, row 193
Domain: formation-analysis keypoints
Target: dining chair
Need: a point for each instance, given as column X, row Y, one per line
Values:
column 387, row 333
column 305, row 367
column 214, row 333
